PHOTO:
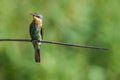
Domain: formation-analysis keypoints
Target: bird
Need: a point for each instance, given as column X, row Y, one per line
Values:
column 36, row 33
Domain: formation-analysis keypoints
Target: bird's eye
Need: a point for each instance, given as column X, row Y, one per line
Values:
column 38, row 16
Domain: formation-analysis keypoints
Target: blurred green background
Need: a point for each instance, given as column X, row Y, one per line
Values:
column 85, row 22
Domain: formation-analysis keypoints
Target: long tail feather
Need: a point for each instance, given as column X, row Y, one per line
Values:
column 37, row 52
column 37, row 55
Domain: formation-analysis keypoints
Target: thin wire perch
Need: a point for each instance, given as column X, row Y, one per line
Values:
column 53, row 42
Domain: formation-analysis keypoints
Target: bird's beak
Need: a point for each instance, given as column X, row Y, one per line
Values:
column 32, row 14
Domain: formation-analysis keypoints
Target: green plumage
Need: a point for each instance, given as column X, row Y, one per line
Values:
column 36, row 34
column 35, row 31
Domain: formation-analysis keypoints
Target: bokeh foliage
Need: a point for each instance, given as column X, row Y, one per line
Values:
column 86, row 22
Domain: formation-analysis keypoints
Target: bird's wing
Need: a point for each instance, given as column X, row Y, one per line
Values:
column 41, row 32
column 31, row 29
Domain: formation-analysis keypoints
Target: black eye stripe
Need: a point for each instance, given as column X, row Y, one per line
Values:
column 38, row 16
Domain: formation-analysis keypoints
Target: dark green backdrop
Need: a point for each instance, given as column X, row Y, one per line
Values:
column 86, row 22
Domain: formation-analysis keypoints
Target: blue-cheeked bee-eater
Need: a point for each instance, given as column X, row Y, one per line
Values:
column 36, row 33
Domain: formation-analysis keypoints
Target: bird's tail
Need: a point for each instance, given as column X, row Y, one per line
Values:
column 37, row 55
column 37, row 51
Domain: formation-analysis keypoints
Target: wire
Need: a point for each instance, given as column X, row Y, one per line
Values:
column 53, row 42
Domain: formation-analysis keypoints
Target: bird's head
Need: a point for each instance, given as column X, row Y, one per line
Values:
column 37, row 17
